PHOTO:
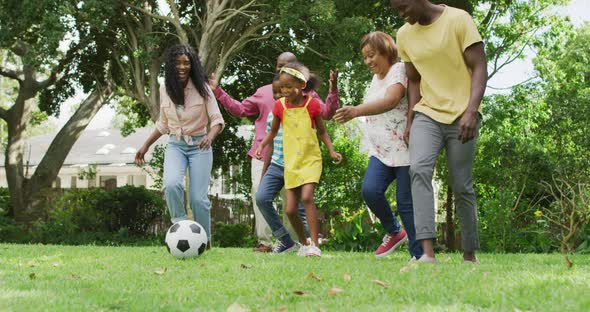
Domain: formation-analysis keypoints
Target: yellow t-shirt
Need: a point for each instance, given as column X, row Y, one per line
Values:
column 436, row 50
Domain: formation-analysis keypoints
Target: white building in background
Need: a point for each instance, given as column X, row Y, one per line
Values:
column 112, row 157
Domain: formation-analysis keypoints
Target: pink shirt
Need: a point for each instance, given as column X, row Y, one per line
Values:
column 261, row 104
column 191, row 120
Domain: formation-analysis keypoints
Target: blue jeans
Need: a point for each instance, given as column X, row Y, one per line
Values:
column 271, row 184
column 178, row 157
column 377, row 179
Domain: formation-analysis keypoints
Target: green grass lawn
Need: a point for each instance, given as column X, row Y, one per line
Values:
column 88, row 278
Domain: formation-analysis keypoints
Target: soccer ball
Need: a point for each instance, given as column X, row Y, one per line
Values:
column 186, row 239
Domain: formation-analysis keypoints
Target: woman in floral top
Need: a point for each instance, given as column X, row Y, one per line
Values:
column 385, row 107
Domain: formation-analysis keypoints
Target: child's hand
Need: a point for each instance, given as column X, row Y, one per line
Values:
column 259, row 152
column 336, row 157
column 333, row 80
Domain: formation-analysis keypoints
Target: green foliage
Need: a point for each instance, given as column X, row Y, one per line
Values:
column 136, row 114
column 353, row 230
column 510, row 226
column 87, row 173
column 564, row 67
column 156, row 166
column 93, row 216
column 5, row 205
column 233, row 235
column 530, row 139
column 135, row 209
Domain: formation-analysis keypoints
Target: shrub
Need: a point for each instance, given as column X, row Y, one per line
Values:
column 353, row 232
column 233, row 235
column 134, row 208
column 84, row 216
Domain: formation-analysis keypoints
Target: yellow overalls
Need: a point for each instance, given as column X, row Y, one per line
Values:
column 303, row 159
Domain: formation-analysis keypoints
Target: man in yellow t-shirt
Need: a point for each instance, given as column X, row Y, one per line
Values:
column 446, row 67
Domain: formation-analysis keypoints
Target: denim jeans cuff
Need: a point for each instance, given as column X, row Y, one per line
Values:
column 174, row 220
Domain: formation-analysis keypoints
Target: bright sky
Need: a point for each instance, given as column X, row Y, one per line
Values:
column 577, row 10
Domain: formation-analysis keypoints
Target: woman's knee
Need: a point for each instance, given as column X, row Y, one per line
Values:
column 370, row 194
column 173, row 185
column 201, row 204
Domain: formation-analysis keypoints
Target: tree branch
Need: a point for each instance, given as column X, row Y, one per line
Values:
column 62, row 65
column 3, row 113
column 9, row 73
column 176, row 22
column 149, row 13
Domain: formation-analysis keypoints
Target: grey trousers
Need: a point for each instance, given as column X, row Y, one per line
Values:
column 427, row 138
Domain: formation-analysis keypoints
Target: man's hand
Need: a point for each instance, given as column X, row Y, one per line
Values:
column 467, row 126
column 213, row 82
column 345, row 114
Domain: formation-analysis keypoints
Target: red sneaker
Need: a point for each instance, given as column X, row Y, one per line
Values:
column 390, row 243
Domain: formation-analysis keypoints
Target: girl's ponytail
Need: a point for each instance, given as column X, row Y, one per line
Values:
column 313, row 82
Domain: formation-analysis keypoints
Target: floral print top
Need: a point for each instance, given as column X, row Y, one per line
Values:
column 383, row 135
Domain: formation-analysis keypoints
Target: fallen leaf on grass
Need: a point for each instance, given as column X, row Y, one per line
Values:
column 299, row 293
column 380, row 283
column 236, row 308
column 283, row 308
column 161, row 271
column 312, row 275
column 245, row 266
column 73, row 276
column 56, row 264
column 347, row 277
column 32, row 276
column 321, row 310
column 334, row 291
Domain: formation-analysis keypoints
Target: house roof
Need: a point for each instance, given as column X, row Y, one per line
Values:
column 100, row 146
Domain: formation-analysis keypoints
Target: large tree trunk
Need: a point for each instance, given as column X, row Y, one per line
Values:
column 16, row 122
column 48, row 168
column 28, row 195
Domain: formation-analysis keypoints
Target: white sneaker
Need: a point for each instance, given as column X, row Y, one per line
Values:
column 473, row 262
column 412, row 260
column 313, row 251
column 426, row 259
column 302, row 250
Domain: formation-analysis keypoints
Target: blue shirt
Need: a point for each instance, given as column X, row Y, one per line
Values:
column 277, row 154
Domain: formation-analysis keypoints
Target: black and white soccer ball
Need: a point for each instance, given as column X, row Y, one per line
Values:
column 186, row 239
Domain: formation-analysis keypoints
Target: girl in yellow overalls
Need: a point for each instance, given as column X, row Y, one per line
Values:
column 300, row 116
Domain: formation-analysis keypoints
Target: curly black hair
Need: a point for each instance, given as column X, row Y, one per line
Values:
column 173, row 86
column 313, row 81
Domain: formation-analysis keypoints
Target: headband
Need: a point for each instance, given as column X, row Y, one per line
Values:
column 294, row 72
